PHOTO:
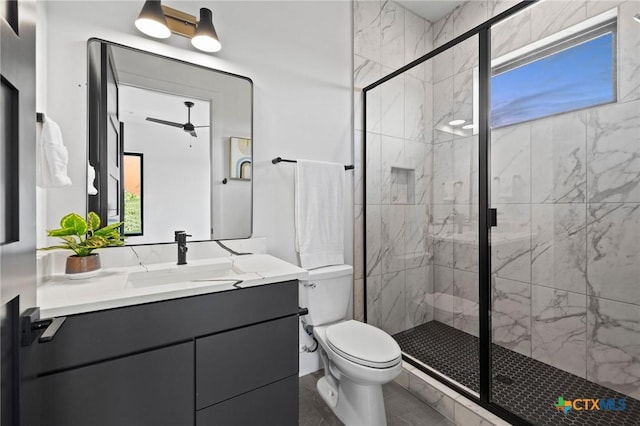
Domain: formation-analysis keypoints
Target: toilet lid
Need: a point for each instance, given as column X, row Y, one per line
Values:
column 363, row 344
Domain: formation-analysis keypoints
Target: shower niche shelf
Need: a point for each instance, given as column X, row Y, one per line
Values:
column 403, row 187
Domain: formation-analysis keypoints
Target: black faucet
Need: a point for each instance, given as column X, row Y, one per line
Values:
column 181, row 239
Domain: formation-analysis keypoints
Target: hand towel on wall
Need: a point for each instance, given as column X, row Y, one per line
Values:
column 52, row 157
column 319, row 213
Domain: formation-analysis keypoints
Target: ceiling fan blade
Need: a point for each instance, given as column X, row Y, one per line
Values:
column 168, row 123
column 193, row 133
column 197, row 127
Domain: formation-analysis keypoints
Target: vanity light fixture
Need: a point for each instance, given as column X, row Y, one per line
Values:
column 206, row 38
column 160, row 21
column 151, row 20
column 457, row 122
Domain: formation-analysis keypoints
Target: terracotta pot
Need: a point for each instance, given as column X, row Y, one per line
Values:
column 83, row 266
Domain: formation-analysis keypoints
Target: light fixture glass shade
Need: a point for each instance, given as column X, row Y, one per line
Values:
column 205, row 37
column 151, row 20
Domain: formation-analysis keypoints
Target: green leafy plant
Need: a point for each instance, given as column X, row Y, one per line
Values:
column 83, row 236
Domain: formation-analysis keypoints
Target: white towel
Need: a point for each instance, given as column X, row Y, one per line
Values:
column 319, row 213
column 52, row 157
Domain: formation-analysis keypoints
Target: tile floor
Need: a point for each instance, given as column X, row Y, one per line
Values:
column 525, row 386
column 403, row 409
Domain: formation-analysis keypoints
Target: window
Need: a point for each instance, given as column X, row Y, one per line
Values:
column 569, row 74
column 133, row 200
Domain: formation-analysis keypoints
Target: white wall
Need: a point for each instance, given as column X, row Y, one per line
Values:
column 176, row 187
column 299, row 56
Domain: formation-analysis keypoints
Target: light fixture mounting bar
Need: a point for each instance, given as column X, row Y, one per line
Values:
column 179, row 22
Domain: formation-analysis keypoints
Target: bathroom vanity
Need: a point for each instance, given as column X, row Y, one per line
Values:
column 183, row 350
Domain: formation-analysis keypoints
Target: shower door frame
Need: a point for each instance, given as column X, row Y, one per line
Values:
column 485, row 217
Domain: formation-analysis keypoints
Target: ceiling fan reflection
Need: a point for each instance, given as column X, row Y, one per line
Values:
column 187, row 127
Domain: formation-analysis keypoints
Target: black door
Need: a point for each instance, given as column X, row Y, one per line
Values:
column 17, row 191
column 106, row 154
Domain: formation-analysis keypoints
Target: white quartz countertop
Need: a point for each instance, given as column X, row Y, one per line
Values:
column 133, row 285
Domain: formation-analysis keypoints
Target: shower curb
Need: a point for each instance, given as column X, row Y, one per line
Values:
column 449, row 403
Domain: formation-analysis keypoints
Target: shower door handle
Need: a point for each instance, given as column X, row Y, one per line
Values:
column 493, row 218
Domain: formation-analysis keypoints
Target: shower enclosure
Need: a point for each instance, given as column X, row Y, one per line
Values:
column 502, row 212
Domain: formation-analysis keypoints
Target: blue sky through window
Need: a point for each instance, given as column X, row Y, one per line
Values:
column 575, row 78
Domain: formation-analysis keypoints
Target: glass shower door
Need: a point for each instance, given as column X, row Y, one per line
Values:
column 565, row 179
column 421, row 212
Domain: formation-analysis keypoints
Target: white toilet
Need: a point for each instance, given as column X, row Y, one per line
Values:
column 358, row 358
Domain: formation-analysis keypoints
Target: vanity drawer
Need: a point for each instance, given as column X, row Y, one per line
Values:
column 103, row 335
column 231, row 363
column 149, row 389
column 273, row 405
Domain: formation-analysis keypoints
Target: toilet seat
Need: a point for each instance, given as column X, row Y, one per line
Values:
column 363, row 344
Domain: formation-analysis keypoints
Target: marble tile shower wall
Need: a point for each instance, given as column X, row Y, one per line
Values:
column 566, row 258
column 386, row 37
column 566, row 254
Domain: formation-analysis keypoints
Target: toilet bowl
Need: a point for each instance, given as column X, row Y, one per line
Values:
column 357, row 358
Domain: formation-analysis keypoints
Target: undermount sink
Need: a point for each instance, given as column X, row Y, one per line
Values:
column 224, row 272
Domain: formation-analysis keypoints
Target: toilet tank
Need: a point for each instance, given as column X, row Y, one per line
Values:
column 326, row 294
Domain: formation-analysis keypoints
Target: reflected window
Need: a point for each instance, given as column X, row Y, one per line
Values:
column 570, row 74
column 133, row 195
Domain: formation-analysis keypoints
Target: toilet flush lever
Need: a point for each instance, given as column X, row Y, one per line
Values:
column 309, row 285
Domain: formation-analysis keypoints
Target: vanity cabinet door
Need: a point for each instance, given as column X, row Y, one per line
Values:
column 273, row 405
column 149, row 389
column 234, row 362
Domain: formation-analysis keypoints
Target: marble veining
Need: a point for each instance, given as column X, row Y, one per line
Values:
column 392, row 106
column 511, row 315
column 628, row 58
column 414, row 101
column 465, row 301
column 511, row 34
column 415, row 236
column 468, row 15
column 511, row 242
column 558, row 328
column 393, row 302
column 442, row 109
column 367, row 34
column 374, row 185
column 443, row 30
column 549, row 17
column 511, row 164
column 613, row 348
column 374, row 292
column 613, row 153
column 392, row 155
column 443, row 294
column 392, row 238
column 365, row 72
column 393, row 35
column 415, row 33
column 558, row 161
column 419, row 296
column 559, row 250
column 613, row 251
column 374, row 241
column 441, row 234
column 358, row 254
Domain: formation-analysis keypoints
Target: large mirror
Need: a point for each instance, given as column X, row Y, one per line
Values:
column 170, row 144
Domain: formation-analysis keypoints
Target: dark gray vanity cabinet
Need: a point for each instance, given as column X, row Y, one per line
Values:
column 227, row 358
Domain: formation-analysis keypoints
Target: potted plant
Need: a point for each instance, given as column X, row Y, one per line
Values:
column 83, row 237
